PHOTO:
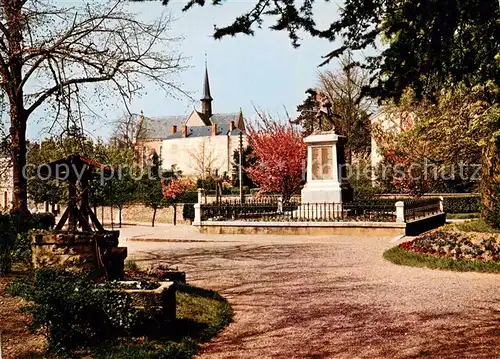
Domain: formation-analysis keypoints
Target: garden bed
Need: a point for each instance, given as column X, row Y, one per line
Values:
column 201, row 314
column 454, row 247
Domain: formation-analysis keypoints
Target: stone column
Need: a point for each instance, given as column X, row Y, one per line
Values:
column 200, row 195
column 197, row 208
column 400, row 212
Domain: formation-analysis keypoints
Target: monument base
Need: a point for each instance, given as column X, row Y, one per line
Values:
column 322, row 192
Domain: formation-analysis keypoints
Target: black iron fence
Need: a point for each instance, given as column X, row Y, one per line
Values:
column 418, row 208
column 272, row 210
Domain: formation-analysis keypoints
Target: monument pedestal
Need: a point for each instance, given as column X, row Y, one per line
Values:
column 324, row 192
column 326, row 173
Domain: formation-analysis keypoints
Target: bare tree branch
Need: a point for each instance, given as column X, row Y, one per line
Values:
column 53, row 55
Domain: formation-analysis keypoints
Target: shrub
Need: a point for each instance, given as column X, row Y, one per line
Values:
column 455, row 204
column 366, row 192
column 189, row 197
column 465, row 204
column 208, row 184
column 21, row 251
column 44, row 221
column 7, row 243
column 131, row 266
column 188, row 211
column 15, row 243
column 72, row 310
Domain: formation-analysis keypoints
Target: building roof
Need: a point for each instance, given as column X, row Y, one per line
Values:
column 153, row 128
column 159, row 127
column 205, row 131
column 225, row 118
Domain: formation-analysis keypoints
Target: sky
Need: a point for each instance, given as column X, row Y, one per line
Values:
column 264, row 70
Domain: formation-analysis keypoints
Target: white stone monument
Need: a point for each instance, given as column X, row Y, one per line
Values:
column 326, row 176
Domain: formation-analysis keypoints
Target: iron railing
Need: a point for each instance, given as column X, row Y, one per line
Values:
column 418, row 208
column 270, row 210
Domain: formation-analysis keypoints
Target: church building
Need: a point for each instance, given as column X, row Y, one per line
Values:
column 200, row 143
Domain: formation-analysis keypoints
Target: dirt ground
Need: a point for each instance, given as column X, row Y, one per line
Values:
column 317, row 297
column 299, row 297
column 16, row 340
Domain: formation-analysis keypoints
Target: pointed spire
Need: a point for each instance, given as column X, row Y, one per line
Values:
column 206, row 100
column 206, row 85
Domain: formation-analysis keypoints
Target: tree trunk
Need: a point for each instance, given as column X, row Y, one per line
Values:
column 175, row 214
column 18, row 120
column 18, row 115
column 490, row 184
column 154, row 216
column 120, row 216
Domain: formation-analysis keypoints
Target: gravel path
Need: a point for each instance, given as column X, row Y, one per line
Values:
column 334, row 297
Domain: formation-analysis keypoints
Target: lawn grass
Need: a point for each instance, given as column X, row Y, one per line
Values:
column 462, row 215
column 201, row 315
column 400, row 256
column 476, row 226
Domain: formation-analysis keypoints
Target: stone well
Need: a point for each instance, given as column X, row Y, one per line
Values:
column 80, row 251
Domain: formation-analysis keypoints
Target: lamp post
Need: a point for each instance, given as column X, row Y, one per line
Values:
column 240, row 173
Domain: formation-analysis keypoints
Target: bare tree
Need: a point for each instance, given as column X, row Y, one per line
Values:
column 340, row 103
column 125, row 130
column 53, row 55
column 204, row 159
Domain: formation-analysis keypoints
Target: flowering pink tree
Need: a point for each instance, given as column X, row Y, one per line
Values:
column 174, row 189
column 281, row 157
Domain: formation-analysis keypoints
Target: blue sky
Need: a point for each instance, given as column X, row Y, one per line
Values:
column 263, row 70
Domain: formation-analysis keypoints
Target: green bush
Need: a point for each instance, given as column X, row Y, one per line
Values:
column 366, row 192
column 189, row 197
column 44, row 221
column 455, row 204
column 465, row 204
column 7, row 243
column 235, row 191
column 72, row 310
column 15, row 244
column 208, row 184
column 188, row 211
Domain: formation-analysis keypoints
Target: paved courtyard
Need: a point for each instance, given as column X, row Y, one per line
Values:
column 329, row 297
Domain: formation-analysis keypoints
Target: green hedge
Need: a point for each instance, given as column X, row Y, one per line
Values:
column 452, row 204
column 189, row 197
column 188, row 211
column 466, row 204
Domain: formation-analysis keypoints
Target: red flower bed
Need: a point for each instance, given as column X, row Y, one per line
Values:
column 456, row 245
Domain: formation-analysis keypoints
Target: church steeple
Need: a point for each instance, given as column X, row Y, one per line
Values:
column 206, row 100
